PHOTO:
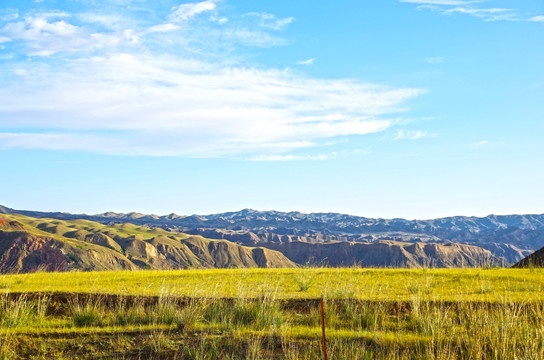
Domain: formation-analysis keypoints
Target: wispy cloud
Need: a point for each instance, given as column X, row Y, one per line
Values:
column 21, row 72
column 292, row 157
column 163, row 28
column 189, row 108
column 491, row 14
column 412, row 135
column 220, row 19
column 108, row 21
column 435, row 60
column 252, row 37
column 483, row 142
column 306, row 62
column 539, row 18
column 8, row 14
column 451, row 7
column 270, row 21
column 185, row 12
column 439, row 2
column 45, row 34
column 50, row 33
column 109, row 90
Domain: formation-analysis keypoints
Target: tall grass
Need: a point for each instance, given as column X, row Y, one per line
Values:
column 22, row 311
column 419, row 324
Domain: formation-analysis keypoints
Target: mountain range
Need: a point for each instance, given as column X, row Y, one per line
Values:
column 250, row 238
column 29, row 244
column 509, row 236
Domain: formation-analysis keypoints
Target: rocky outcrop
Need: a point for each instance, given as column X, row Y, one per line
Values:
column 21, row 252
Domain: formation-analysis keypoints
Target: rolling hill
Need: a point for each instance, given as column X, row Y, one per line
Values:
column 29, row 244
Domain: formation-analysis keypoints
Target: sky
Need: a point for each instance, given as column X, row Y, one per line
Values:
column 390, row 108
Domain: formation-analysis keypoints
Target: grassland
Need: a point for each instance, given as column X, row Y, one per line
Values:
column 273, row 314
column 489, row 285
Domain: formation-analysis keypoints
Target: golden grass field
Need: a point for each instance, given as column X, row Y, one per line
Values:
column 274, row 314
column 491, row 285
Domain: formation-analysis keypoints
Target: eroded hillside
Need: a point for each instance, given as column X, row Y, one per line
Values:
column 28, row 244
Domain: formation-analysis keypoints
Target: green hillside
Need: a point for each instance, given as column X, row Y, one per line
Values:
column 29, row 244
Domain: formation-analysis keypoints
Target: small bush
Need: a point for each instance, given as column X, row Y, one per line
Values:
column 304, row 280
column 88, row 315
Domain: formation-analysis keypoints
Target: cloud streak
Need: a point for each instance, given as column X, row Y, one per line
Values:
column 185, row 12
column 412, row 135
column 438, row 2
column 270, row 21
column 276, row 158
column 465, row 7
column 306, row 62
column 435, row 60
column 491, row 14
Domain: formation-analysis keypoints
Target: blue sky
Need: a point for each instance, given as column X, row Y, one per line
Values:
column 390, row 108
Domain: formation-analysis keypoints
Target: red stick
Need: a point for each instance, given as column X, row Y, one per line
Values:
column 323, row 328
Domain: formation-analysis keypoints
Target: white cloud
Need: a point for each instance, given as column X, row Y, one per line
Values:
column 270, row 21
column 448, row 7
column 187, row 11
column 136, row 105
column 20, row 72
column 537, row 18
column 106, row 97
column 8, row 15
column 412, row 135
column 220, row 20
column 484, row 142
column 438, row 2
column 492, row 14
column 44, row 36
column 291, row 158
column 306, row 62
column 251, row 37
column 435, row 60
column 163, row 28
column 108, row 21
column 50, row 141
